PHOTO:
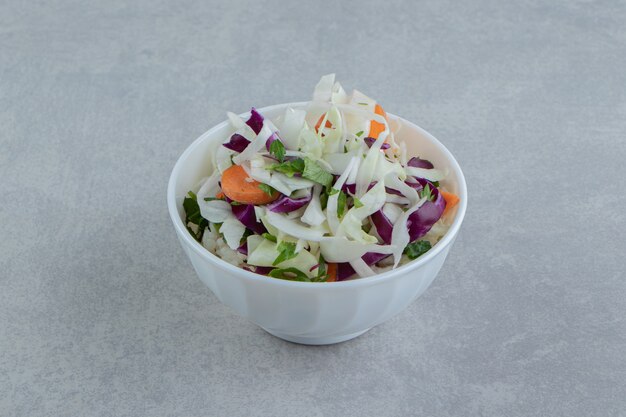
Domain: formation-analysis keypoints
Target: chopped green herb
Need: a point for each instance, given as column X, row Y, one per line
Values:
column 314, row 172
column 244, row 238
column 363, row 104
column 278, row 150
column 193, row 216
column 211, row 198
column 321, row 269
column 358, row 134
column 416, row 249
column 267, row 189
column 287, row 250
column 333, row 191
column 289, row 168
column 341, row 203
column 427, row 193
column 436, row 183
column 292, row 274
column 357, row 202
column 235, row 203
column 269, row 237
column 323, row 200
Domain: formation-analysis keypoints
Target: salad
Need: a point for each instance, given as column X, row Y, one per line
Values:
column 318, row 195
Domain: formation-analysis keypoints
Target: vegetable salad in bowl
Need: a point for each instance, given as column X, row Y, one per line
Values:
column 324, row 194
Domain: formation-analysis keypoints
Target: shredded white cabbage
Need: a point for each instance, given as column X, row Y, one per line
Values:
column 361, row 268
column 313, row 215
column 331, row 210
column 429, row 174
column 290, row 128
column 294, row 228
column 233, row 231
column 215, row 211
column 255, row 146
column 341, row 249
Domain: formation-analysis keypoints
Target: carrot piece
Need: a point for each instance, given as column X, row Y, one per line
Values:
column 319, row 123
column 331, row 270
column 376, row 128
column 220, row 195
column 237, row 186
column 451, row 201
column 379, row 110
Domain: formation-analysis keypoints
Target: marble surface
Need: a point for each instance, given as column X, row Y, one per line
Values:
column 101, row 313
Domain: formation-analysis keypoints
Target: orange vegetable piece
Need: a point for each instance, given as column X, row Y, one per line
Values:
column 237, row 186
column 375, row 127
column 451, row 201
column 331, row 270
column 319, row 123
column 220, row 195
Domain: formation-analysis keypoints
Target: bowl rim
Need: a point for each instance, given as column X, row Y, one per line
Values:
column 181, row 230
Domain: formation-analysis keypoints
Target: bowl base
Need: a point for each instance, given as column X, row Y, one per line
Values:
column 315, row 340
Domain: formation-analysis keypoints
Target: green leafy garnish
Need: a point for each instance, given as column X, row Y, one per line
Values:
column 321, row 269
column 323, row 200
column 244, row 238
column 269, row 237
column 436, row 183
column 235, row 203
column 427, row 193
column 341, row 203
column 210, row 198
column 358, row 134
column 278, row 150
column 287, row 250
column 333, row 191
column 193, row 216
column 267, row 189
column 357, row 202
column 289, row 168
column 416, row 249
column 292, row 274
column 314, row 172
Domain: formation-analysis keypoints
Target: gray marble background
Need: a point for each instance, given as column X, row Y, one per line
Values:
column 101, row 313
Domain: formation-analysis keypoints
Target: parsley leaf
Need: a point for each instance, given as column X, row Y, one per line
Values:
column 269, row 237
column 358, row 134
column 314, row 172
column 321, row 269
column 193, row 216
column 267, row 189
column 427, row 193
column 292, row 274
column 341, row 203
column 436, row 183
column 287, row 250
column 416, row 249
column 357, row 202
column 288, row 168
column 278, row 149
column 323, row 200
column 333, row 191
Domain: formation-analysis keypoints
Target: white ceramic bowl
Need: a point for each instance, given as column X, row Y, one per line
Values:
column 313, row 313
